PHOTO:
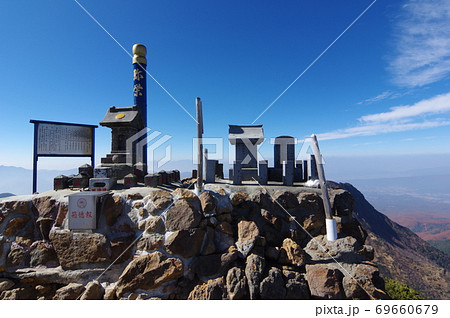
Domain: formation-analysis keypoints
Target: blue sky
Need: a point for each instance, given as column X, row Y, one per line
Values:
column 382, row 88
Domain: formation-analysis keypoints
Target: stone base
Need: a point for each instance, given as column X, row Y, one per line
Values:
column 249, row 174
column 276, row 174
column 119, row 170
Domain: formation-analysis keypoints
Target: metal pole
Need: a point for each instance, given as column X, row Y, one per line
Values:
column 93, row 148
column 330, row 222
column 199, row 110
column 35, row 157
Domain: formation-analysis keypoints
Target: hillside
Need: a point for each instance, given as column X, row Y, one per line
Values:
column 428, row 226
column 443, row 245
column 400, row 253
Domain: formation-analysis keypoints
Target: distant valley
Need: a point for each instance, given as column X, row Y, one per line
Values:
column 422, row 204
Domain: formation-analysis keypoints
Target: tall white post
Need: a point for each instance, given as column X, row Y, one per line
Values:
column 329, row 221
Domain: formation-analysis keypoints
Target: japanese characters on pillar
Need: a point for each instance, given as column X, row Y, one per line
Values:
column 140, row 89
column 140, row 79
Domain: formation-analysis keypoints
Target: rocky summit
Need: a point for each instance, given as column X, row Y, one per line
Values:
column 228, row 243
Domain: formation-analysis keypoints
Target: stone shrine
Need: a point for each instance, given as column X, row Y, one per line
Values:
column 126, row 122
column 246, row 138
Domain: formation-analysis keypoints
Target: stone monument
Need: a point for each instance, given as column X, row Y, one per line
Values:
column 246, row 138
column 126, row 123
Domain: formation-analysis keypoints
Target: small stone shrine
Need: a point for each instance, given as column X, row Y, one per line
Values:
column 126, row 122
column 246, row 138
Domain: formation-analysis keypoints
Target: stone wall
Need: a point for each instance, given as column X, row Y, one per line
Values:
column 227, row 243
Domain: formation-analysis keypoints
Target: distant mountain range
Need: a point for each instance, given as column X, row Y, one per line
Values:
column 4, row 195
column 19, row 180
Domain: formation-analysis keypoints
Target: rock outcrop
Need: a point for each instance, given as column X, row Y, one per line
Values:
column 246, row 244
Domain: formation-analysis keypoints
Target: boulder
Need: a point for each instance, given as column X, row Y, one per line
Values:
column 286, row 199
column 236, row 284
column 292, row 254
column 226, row 217
column 210, row 290
column 207, row 202
column 155, row 225
column 61, row 215
column 342, row 202
column 45, row 206
column 121, row 250
column 364, row 282
column 45, row 224
column 15, row 225
column 352, row 228
column 262, row 198
column 325, row 282
column 159, row 201
column 223, row 237
column 272, row 220
column 16, row 207
column 5, row 284
column 94, row 291
column 18, row 294
column 113, row 208
column 182, row 216
column 247, row 233
column 17, row 256
column 148, row 272
column 142, row 212
column 110, row 294
column 343, row 249
column 186, row 243
column 223, row 205
column 367, row 252
column 310, row 203
column 189, row 196
column 237, row 198
column 134, row 196
column 296, row 285
column 254, row 270
column 74, row 249
column 273, row 287
column 214, row 264
column 150, row 243
column 42, row 253
column 271, row 253
column 69, row 292
column 208, row 246
column 46, row 291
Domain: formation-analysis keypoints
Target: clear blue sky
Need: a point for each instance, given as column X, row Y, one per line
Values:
column 382, row 88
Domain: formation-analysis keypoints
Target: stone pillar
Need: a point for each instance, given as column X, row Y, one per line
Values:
column 284, row 150
column 288, row 173
column 140, row 89
column 313, row 175
column 237, row 172
column 219, row 170
column 298, row 171
column 246, row 154
column 263, row 171
column 211, row 171
column 305, row 171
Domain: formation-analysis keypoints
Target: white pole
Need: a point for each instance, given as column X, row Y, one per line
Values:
column 199, row 185
column 329, row 222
